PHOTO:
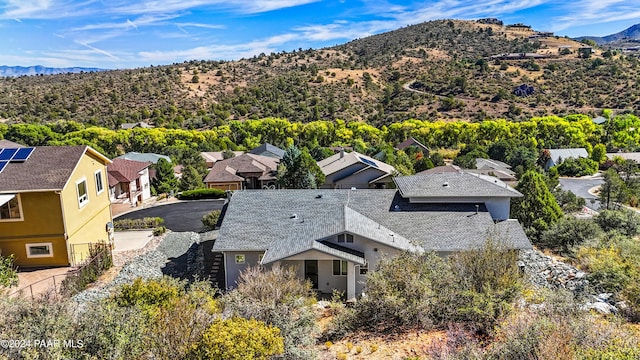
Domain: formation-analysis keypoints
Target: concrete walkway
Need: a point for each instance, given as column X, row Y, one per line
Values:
column 131, row 240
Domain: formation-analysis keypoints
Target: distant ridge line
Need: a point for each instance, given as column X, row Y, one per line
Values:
column 14, row 71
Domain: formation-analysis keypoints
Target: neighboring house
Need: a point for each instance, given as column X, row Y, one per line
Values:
column 140, row 124
column 268, row 150
column 129, row 181
column 557, row 156
column 345, row 170
column 441, row 169
column 635, row 156
column 144, row 157
column 9, row 144
column 411, row 142
column 211, row 157
column 494, row 168
column 53, row 204
column 246, row 171
column 334, row 237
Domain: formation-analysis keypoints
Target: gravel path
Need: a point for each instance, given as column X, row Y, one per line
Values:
column 148, row 263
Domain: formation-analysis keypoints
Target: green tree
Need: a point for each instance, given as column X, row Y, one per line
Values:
column 298, row 170
column 191, row 179
column 165, row 181
column 537, row 209
column 612, row 190
column 599, row 153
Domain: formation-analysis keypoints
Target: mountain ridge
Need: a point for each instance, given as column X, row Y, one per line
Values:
column 630, row 33
column 13, row 71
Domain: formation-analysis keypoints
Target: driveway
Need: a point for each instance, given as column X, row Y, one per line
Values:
column 581, row 186
column 180, row 216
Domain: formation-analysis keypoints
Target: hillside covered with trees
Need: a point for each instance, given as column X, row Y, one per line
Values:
column 439, row 70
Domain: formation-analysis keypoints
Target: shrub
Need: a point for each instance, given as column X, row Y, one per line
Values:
column 210, row 220
column 578, row 167
column 100, row 260
column 624, row 221
column 138, row 224
column 238, row 338
column 149, row 295
column 202, row 194
column 279, row 298
column 159, row 231
column 569, row 232
column 8, row 273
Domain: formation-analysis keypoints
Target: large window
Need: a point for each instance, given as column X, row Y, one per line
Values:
column 339, row 267
column 99, row 183
column 10, row 211
column 39, row 250
column 83, row 195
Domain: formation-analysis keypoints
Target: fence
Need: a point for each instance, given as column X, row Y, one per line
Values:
column 77, row 279
column 42, row 286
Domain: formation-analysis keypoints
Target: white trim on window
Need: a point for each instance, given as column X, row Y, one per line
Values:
column 43, row 250
column 11, row 206
column 99, row 181
column 83, row 198
column 341, row 267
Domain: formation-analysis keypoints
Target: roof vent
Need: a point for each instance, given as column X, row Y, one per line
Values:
column 477, row 208
column 319, row 196
column 446, row 184
column 353, row 188
column 396, row 207
column 293, row 216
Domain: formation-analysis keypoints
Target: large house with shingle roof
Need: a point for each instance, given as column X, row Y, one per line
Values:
column 53, row 204
column 345, row 170
column 129, row 181
column 245, row 171
column 334, row 237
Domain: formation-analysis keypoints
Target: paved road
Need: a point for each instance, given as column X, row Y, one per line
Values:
column 581, row 186
column 181, row 216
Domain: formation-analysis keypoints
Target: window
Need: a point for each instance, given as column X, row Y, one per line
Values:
column 260, row 257
column 240, row 259
column 83, row 196
column 345, row 237
column 11, row 210
column 339, row 267
column 99, row 183
column 39, row 250
column 364, row 269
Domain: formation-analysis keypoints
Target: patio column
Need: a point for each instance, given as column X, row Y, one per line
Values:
column 351, row 280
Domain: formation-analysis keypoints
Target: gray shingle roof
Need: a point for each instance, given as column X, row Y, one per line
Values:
column 289, row 222
column 144, row 157
column 573, row 153
column 453, row 185
column 269, row 150
column 48, row 168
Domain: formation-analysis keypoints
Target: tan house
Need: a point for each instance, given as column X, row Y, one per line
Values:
column 53, row 203
column 245, row 171
column 345, row 170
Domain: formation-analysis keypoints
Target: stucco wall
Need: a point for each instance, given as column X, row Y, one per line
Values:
column 86, row 224
column 41, row 223
column 232, row 270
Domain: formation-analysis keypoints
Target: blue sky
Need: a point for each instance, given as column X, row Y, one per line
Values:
column 136, row 33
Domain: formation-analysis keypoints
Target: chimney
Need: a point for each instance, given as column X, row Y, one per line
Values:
column 341, row 152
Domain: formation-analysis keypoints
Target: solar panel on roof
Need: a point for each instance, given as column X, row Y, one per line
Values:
column 22, row 154
column 3, row 164
column 368, row 162
column 7, row 154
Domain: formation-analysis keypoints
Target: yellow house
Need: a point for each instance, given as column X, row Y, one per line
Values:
column 54, row 202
